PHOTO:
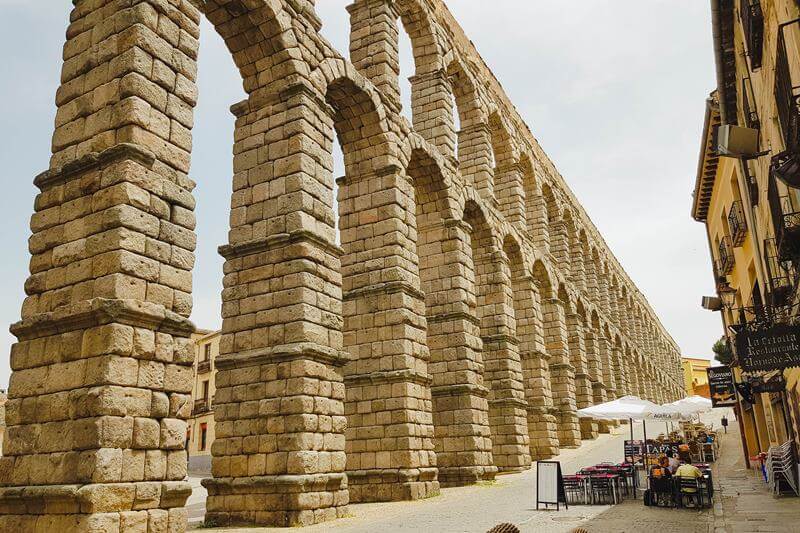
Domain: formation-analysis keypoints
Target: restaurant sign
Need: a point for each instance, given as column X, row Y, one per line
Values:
column 775, row 348
column 721, row 386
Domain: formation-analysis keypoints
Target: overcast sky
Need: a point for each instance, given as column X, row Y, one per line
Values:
column 614, row 90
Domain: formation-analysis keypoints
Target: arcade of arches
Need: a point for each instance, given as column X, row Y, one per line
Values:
column 466, row 311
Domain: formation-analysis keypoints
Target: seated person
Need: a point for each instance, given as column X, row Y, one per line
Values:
column 688, row 471
column 684, row 453
column 663, row 462
column 674, row 463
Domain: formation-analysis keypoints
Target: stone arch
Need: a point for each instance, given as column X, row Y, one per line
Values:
column 507, row 172
column 474, row 139
column 536, row 220
column 374, row 51
column 381, row 203
column 530, row 335
column 564, row 248
column 503, row 369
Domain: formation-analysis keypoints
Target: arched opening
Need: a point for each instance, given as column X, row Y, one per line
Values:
column 383, row 310
column 474, row 139
column 503, row 370
column 507, row 173
column 535, row 370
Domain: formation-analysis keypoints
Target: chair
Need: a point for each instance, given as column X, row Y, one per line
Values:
column 695, row 452
column 689, row 487
column 574, row 490
column 602, row 486
column 664, row 491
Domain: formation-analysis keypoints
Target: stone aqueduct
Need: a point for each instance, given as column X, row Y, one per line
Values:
column 469, row 309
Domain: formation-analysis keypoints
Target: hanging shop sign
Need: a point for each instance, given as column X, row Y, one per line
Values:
column 721, row 386
column 775, row 348
column 776, row 384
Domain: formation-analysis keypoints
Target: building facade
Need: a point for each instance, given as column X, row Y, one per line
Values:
column 467, row 310
column 200, row 431
column 695, row 378
column 746, row 196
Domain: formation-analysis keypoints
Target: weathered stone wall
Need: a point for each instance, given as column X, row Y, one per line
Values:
column 467, row 311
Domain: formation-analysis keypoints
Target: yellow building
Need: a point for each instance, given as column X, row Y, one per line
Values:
column 750, row 151
column 695, row 377
column 201, row 425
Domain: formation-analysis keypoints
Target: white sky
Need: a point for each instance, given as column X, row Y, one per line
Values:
column 614, row 90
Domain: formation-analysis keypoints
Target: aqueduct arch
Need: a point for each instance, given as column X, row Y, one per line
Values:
column 470, row 308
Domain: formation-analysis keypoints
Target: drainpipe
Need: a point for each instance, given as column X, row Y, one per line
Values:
column 716, row 27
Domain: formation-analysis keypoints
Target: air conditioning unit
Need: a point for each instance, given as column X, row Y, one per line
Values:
column 712, row 303
column 737, row 141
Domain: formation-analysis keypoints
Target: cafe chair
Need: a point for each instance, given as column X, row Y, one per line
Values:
column 574, row 490
column 662, row 491
column 602, row 489
column 689, row 488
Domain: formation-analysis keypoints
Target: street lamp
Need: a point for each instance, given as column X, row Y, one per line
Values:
column 727, row 294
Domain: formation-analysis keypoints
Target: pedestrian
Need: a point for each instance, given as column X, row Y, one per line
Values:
column 724, row 423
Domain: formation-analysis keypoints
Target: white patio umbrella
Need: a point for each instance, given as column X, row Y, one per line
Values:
column 630, row 407
column 691, row 406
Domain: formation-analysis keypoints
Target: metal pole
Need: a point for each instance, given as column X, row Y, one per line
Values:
column 646, row 468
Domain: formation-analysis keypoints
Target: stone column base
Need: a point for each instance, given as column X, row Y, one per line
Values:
column 146, row 506
column 466, row 475
column 389, row 485
column 278, row 501
column 604, row 426
column 589, row 428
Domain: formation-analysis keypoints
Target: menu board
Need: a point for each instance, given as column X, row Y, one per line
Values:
column 549, row 484
column 721, row 386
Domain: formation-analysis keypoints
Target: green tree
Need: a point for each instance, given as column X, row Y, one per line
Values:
column 722, row 350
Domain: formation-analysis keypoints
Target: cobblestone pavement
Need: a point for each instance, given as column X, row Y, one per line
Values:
column 511, row 498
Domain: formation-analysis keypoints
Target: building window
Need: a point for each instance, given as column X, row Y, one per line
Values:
column 206, row 352
column 205, row 390
column 203, row 436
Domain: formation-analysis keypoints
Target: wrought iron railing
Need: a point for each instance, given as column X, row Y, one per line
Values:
column 203, row 366
column 779, row 274
column 737, row 224
column 725, row 256
column 785, row 223
column 753, row 26
column 785, row 98
column 202, row 405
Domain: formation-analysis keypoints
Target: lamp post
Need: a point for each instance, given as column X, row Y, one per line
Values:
column 727, row 295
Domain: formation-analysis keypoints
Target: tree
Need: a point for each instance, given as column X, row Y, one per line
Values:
column 722, row 349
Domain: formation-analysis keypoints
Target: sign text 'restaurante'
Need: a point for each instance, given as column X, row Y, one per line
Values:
column 772, row 349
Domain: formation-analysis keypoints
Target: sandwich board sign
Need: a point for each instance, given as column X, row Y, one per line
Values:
column 549, row 484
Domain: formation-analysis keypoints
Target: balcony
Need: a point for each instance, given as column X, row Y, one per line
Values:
column 786, row 165
column 203, row 366
column 737, row 224
column 753, row 26
column 725, row 257
column 785, row 222
column 779, row 274
column 203, row 405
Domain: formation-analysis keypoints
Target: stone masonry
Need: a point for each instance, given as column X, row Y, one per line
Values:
column 465, row 312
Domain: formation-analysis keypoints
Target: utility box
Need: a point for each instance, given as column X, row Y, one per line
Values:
column 737, row 141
